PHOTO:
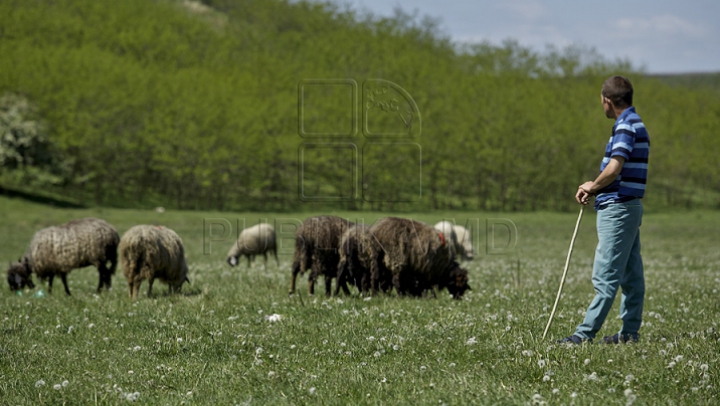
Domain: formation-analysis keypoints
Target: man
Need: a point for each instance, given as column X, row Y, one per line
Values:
column 617, row 190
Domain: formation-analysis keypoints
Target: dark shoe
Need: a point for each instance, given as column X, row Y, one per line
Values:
column 573, row 339
column 618, row 339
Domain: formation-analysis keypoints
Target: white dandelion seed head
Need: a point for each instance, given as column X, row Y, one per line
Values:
column 704, row 367
column 587, row 361
column 541, row 363
column 39, row 383
column 546, row 378
column 377, row 354
column 555, row 391
column 574, row 395
column 137, row 348
column 57, row 386
column 312, row 390
column 471, row 341
column 273, row 318
column 65, row 383
column 671, row 364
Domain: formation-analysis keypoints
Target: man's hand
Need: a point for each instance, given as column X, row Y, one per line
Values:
column 584, row 192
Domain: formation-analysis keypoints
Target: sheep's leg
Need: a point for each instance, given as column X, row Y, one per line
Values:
column 150, row 283
column 295, row 271
column 103, row 271
column 340, row 276
column 130, row 285
column 63, row 278
column 328, row 285
column 135, row 289
column 50, row 281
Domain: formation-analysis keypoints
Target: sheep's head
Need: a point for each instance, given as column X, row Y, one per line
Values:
column 457, row 281
column 19, row 275
column 232, row 260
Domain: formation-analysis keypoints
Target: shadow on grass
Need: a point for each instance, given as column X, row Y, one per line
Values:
column 37, row 198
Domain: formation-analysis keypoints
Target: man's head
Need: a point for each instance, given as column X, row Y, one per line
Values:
column 616, row 95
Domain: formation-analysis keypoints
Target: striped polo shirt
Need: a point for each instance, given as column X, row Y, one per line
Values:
column 631, row 141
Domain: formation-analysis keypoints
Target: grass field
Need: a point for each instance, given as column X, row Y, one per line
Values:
column 221, row 343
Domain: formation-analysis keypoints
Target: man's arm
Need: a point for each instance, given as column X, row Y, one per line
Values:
column 606, row 177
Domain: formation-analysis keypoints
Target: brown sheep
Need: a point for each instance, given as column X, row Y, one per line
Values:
column 60, row 249
column 150, row 252
column 417, row 256
column 317, row 242
column 354, row 264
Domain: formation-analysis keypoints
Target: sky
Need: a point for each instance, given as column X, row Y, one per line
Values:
column 659, row 36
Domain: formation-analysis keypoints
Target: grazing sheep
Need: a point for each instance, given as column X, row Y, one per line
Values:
column 354, row 264
column 317, row 242
column 418, row 257
column 255, row 240
column 60, row 249
column 149, row 252
column 19, row 276
column 465, row 245
column 448, row 230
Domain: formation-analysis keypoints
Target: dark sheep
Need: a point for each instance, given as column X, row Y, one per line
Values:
column 55, row 251
column 416, row 256
column 354, row 265
column 317, row 242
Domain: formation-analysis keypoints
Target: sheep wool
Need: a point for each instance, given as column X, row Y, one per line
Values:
column 152, row 252
column 317, row 242
column 255, row 240
column 55, row 251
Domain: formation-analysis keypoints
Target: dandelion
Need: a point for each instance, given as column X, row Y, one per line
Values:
column 611, row 390
column 131, row 372
column 573, row 395
column 587, row 361
column 546, row 378
column 312, row 390
column 541, row 363
column 137, row 348
column 57, row 386
column 423, row 367
column 678, row 358
column 555, row 391
column 91, row 325
column 371, row 338
column 271, row 374
column 471, row 341
column 65, row 383
column 258, row 350
column 189, row 393
column 179, row 339
column 704, row 367
column 396, row 347
column 39, row 383
column 663, row 353
column 70, row 329
column 452, row 365
column 671, row 364
column 292, row 347
column 273, row 318
column 377, row 354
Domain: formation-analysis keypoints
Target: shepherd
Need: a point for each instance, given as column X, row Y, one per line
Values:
column 618, row 191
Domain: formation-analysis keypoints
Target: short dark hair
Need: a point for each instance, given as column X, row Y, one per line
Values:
column 619, row 90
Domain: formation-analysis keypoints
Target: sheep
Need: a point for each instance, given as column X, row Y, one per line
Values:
column 418, row 257
column 317, row 241
column 465, row 245
column 149, row 252
column 354, row 264
column 258, row 239
column 448, row 230
column 59, row 249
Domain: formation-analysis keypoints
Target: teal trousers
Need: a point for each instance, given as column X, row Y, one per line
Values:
column 618, row 264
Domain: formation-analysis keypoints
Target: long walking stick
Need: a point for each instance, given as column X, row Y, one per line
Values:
column 567, row 264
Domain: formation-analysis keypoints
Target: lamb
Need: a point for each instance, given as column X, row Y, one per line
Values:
column 418, row 257
column 149, row 252
column 317, row 241
column 465, row 245
column 59, row 249
column 255, row 240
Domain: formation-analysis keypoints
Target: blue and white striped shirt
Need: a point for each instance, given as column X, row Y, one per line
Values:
column 631, row 141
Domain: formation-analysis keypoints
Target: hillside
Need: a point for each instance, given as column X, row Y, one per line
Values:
column 212, row 106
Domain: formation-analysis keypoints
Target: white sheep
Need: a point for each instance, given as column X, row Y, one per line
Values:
column 255, row 240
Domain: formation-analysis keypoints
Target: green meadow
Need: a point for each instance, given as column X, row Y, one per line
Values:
column 235, row 336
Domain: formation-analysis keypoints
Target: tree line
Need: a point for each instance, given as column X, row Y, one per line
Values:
column 279, row 105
